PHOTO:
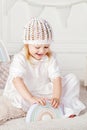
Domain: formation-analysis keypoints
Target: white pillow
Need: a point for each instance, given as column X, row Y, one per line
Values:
column 7, row 111
column 4, row 72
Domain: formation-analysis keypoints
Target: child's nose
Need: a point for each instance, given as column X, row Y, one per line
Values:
column 42, row 50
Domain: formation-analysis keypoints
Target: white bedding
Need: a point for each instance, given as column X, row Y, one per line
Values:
column 77, row 123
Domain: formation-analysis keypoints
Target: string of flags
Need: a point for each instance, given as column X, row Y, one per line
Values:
column 37, row 6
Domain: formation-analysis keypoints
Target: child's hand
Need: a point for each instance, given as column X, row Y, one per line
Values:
column 38, row 100
column 55, row 102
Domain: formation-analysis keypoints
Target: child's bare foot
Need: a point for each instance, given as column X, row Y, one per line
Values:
column 72, row 116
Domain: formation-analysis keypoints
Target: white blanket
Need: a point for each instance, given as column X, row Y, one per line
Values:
column 77, row 123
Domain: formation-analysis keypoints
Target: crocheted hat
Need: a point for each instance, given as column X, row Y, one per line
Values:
column 37, row 31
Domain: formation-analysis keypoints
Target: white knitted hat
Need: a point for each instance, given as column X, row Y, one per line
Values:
column 37, row 31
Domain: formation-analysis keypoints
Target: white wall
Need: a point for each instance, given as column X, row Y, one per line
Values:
column 70, row 41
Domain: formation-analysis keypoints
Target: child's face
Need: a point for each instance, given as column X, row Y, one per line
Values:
column 38, row 51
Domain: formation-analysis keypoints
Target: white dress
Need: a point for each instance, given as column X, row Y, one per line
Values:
column 38, row 76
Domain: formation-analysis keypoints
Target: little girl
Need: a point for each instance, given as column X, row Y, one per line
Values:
column 35, row 77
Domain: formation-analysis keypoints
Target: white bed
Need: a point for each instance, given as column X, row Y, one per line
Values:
column 66, row 124
column 77, row 123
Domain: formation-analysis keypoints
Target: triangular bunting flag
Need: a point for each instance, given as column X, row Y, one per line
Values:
column 8, row 4
column 35, row 11
column 64, row 13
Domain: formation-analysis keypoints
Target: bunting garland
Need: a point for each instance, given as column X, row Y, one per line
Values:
column 36, row 7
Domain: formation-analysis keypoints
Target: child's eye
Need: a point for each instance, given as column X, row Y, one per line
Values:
column 37, row 47
column 46, row 47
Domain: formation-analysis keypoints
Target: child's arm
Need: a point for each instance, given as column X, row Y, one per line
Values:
column 57, row 88
column 25, row 93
